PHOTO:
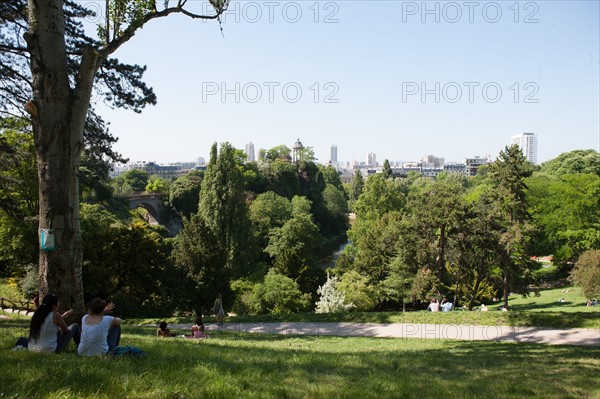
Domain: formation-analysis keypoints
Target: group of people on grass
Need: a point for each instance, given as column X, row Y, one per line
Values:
column 198, row 328
column 48, row 331
column 98, row 334
column 435, row 306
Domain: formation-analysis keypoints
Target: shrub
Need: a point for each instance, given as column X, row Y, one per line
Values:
column 276, row 294
column 331, row 300
column 586, row 273
column 357, row 291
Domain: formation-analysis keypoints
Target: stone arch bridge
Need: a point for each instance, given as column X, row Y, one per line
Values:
column 158, row 213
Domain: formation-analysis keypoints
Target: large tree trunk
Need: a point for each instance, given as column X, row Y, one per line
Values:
column 58, row 114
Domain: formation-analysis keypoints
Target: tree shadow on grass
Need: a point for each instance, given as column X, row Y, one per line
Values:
column 555, row 319
column 276, row 366
column 552, row 306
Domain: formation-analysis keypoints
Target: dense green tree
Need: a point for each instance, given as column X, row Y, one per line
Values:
column 157, row 185
column 184, row 193
column 358, row 291
column 197, row 253
column 18, row 181
column 277, row 294
column 97, row 159
column 379, row 197
column 255, row 181
column 566, row 213
column 126, row 263
column 135, row 179
column 18, row 197
column 282, row 177
column 586, row 274
column 267, row 212
column 475, row 253
column 306, row 154
column 577, row 161
column 18, row 244
column 436, row 207
column 378, row 247
column 332, row 177
column 336, row 205
column 294, row 247
column 279, row 152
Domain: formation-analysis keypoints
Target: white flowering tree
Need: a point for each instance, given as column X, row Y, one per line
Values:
column 330, row 299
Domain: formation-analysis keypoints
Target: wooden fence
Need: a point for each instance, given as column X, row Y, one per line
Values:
column 17, row 305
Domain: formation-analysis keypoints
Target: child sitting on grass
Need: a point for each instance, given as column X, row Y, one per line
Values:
column 198, row 329
column 163, row 331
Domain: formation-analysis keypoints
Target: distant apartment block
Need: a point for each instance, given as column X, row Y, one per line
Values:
column 455, row 168
column 432, row 162
column 472, row 164
column 164, row 171
column 250, row 152
column 528, row 144
column 371, row 159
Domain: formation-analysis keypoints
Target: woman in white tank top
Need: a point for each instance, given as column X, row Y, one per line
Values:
column 48, row 331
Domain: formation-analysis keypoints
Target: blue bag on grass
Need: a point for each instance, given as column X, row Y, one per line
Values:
column 129, row 351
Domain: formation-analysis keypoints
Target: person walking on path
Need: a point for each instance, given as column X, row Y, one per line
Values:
column 218, row 310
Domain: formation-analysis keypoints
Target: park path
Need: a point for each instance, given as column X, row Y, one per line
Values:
column 537, row 335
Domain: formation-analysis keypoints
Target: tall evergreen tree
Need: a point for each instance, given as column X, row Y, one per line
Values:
column 508, row 175
column 223, row 207
column 358, row 184
column 215, row 245
column 387, row 170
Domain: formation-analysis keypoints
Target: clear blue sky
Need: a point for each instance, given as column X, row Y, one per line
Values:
column 373, row 58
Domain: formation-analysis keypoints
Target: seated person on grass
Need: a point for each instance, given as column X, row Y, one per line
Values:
column 198, row 329
column 446, row 305
column 48, row 331
column 163, row 331
column 100, row 334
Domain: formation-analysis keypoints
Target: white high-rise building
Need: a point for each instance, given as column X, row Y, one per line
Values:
column 250, row 152
column 333, row 158
column 528, row 144
column 371, row 159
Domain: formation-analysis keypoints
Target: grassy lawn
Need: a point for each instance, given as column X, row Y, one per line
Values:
column 230, row 365
column 544, row 310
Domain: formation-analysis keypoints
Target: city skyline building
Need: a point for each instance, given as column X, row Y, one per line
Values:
column 528, row 143
column 371, row 159
column 250, row 152
column 333, row 154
